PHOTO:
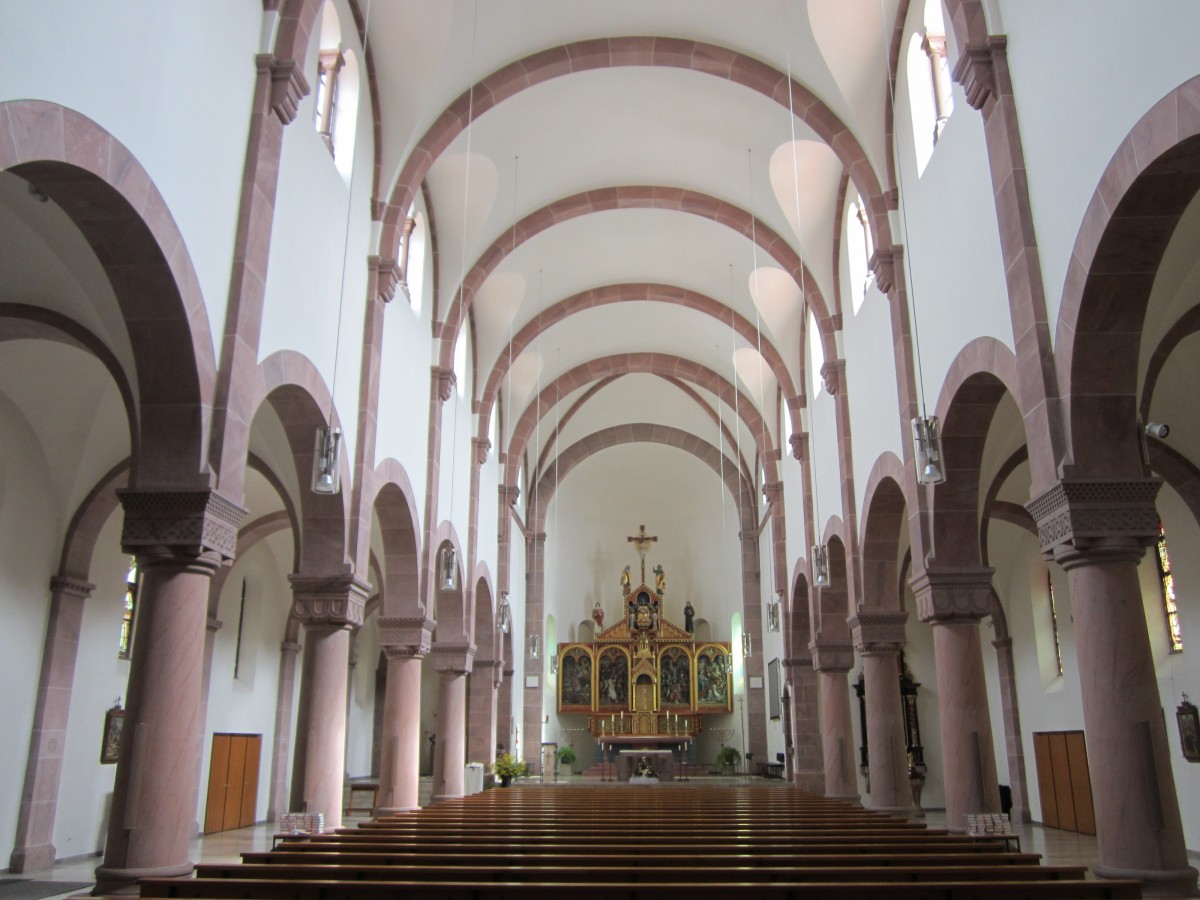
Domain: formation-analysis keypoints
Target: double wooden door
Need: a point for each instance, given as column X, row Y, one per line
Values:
column 1064, row 781
column 232, row 782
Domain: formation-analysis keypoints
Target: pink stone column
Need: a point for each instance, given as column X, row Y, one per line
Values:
column 953, row 601
column 878, row 637
column 808, row 768
column 277, row 803
column 405, row 641
column 1012, row 730
column 157, row 771
column 1097, row 530
column 832, row 662
column 481, row 710
column 328, row 606
column 531, row 718
column 34, row 847
column 504, row 710
column 180, row 538
column 452, row 663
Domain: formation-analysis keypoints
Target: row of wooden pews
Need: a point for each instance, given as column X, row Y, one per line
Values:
column 596, row 843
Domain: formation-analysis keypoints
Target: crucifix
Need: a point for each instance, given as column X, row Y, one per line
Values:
column 642, row 541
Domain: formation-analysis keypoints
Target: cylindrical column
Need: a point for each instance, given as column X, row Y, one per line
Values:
column 328, row 649
column 282, row 744
column 968, row 757
column 1138, row 829
column 157, row 769
column 886, row 752
column 401, row 751
column 481, row 710
column 450, row 759
column 832, row 662
column 808, row 771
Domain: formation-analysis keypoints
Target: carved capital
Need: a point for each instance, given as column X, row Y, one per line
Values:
column 482, row 447
column 454, row 658
column 832, row 656
column 878, row 631
column 288, row 85
column 336, row 600
column 954, row 595
column 833, row 372
column 1081, row 521
column 445, row 380
column 213, row 625
column 509, row 494
column 802, row 662
column 406, row 637
column 799, row 444
column 976, row 69
column 773, row 491
column 934, row 44
column 292, row 647
column 179, row 523
column 74, row 587
column 387, row 277
column 537, row 538
column 883, row 264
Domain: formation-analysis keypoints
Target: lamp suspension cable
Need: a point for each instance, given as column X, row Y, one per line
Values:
column 535, row 636
column 504, row 614
column 926, row 429
column 819, row 555
column 327, row 444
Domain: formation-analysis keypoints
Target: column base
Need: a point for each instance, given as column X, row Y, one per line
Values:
column 1155, row 882
column 30, row 859
column 112, row 880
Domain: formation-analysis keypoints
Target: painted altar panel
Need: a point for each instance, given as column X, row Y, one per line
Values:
column 612, row 679
column 576, row 686
column 675, row 678
column 714, row 677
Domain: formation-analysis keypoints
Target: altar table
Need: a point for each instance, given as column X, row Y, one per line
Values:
column 662, row 761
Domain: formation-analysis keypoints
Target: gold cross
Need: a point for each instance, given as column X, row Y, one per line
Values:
column 642, row 541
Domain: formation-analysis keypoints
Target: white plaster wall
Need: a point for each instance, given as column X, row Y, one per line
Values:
column 320, row 239
column 204, row 92
column 85, row 793
column 824, row 456
column 918, row 654
column 1122, row 62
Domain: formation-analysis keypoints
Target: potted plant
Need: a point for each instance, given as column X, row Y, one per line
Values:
column 566, row 759
column 727, row 760
column 507, row 767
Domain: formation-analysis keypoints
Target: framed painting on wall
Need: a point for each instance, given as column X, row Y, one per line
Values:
column 1189, row 730
column 110, row 745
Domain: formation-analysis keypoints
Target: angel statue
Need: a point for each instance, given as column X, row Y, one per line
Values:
column 625, row 581
column 660, row 580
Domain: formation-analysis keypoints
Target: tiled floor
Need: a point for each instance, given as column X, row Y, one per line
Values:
column 1060, row 847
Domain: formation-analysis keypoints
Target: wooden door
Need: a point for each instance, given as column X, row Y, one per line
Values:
column 232, row 782
column 643, row 697
column 1064, row 781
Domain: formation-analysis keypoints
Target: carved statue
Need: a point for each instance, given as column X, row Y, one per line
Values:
column 625, row 582
column 598, row 615
column 689, row 618
column 660, row 580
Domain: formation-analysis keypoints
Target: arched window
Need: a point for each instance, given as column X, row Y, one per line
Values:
column 412, row 256
column 125, row 643
column 1054, row 622
column 1167, row 583
column 335, row 105
column 930, row 97
column 816, row 355
column 859, row 248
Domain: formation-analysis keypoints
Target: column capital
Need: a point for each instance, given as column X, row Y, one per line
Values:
column 934, row 44
column 179, row 523
column 1081, row 521
column 976, row 69
column 832, row 656
column 76, row 587
column 333, row 600
column 288, row 85
column 798, row 662
column 444, row 381
column 213, row 625
column 878, row 631
column 509, row 494
column 292, row 647
column 455, row 658
column 883, row 264
column 494, row 666
column 773, row 491
column 536, row 537
column 406, row 636
column 387, row 277
column 954, row 595
column 799, row 444
column 481, row 446
column 833, row 373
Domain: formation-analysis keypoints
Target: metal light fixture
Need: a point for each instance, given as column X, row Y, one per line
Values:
column 448, row 569
column 504, row 614
column 747, row 646
column 535, row 646
column 820, row 565
column 773, row 613
column 554, row 661
column 327, row 448
column 927, row 444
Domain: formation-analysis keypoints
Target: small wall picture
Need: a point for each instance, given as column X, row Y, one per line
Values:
column 110, row 747
column 1189, row 730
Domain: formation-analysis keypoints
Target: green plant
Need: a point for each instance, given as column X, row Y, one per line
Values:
column 566, row 756
column 508, row 766
column 728, row 756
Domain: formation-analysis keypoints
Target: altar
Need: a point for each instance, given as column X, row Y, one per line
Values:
column 662, row 762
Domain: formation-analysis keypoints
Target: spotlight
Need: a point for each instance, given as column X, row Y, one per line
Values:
column 1157, row 430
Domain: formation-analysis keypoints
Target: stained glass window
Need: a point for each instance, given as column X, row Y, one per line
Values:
column 131, row 587
column 1167, row 580
column 1054, row 623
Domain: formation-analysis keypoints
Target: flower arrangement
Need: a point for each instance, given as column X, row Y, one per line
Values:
column 508, row 767
column 566, row 756
column 728, row 759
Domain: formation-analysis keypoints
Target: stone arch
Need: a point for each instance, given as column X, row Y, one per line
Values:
column 484, row 634
column 603, row 53
column 395, row 509
column 797, row 633
column 1184, row 327
column 980, row 376
column 1150, row 181
column 886, row 506
column 295, row 391
column 118, row 210
column 79, row 540
column 635, row 197
column 453, row 618
column 647, row 363
column 630, row 293
column 833, row 602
